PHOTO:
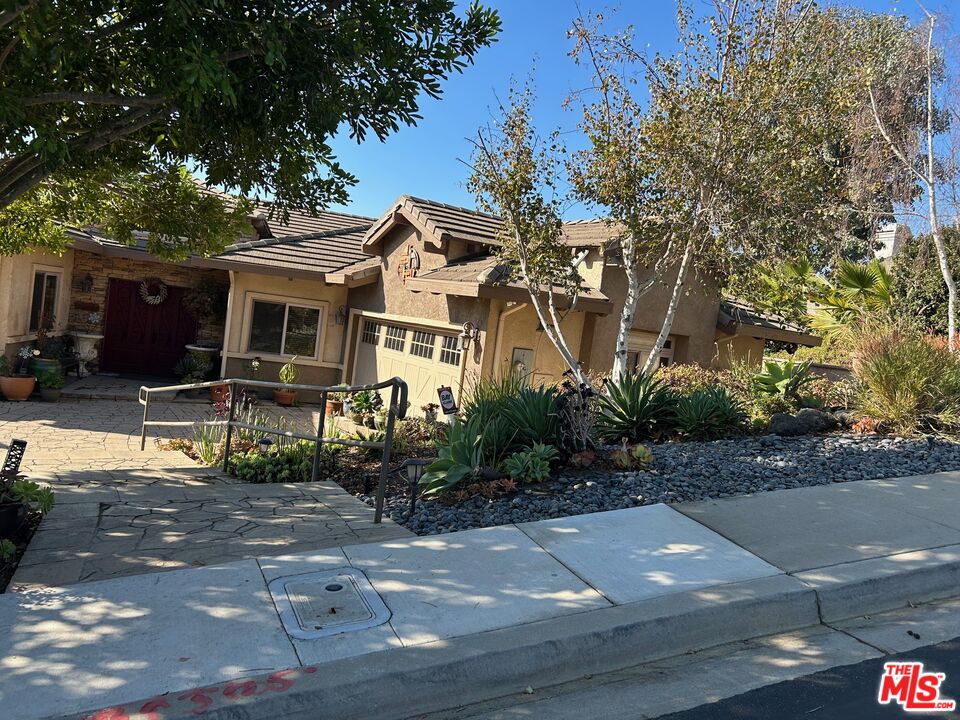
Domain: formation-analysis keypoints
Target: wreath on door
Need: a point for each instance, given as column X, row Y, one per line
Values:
column 153, row 291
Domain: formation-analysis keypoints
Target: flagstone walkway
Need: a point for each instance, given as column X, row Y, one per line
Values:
column 120, row 511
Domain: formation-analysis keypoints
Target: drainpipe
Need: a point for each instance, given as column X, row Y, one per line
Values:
column 498, row 347
column 226, row 327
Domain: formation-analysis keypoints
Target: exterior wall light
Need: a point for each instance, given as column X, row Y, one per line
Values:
column 469, row 334
column 341, row 315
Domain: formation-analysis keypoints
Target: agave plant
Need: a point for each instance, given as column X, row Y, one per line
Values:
column 533, row 413
column 709, row 414
column 635, row 407
column 461, row 457
column 784, row 379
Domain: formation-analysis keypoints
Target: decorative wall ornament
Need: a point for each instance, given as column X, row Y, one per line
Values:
column 153, row 291
column 409, row 264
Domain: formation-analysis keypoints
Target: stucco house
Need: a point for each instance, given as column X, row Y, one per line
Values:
column 417, row 292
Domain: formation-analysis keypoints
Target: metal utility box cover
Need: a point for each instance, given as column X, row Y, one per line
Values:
column 325, row 603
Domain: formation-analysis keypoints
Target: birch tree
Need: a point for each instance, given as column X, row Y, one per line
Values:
column 515, row 175
column 908, row 90
column 733, row 157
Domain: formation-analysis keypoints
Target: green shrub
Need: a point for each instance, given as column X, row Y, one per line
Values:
column 51, row 379
column 635, row 407
column 709, row 414
column 531, row 464
column 292, row 464
column 207, row 443
column 909, row 383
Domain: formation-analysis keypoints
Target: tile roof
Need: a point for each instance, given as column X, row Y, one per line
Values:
column 302, row 223
column 449, row 221
column 735, row 312
column 481, row 270
column 321, row 252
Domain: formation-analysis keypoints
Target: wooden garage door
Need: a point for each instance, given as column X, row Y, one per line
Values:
column 423, row 358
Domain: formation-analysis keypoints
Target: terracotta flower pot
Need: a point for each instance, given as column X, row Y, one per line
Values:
column 334, row 407
column 284, row 397
column 17, row 387
column 219, row 393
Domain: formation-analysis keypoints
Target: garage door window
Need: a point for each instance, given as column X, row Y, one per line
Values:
column 284, row 329
column 396, row 338
column 450, row 350
column 422, row 343
column 371, row 333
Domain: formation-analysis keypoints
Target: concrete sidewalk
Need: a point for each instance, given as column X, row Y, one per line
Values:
column 482, row 612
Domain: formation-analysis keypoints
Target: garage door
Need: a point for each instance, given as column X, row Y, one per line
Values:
column 423, row 358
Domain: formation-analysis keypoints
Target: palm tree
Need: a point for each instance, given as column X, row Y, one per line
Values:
column 857, row 292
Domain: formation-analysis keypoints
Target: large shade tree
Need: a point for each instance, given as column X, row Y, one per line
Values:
column 104, row 105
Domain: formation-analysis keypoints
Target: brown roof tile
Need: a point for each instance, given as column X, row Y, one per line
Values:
column 450, row 221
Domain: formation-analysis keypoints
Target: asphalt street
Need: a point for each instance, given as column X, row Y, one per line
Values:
column 848, row 692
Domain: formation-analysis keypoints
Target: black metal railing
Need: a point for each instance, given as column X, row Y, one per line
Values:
column 396, row 410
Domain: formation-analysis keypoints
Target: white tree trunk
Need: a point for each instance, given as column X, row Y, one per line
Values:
column 651, row 364
column 627, row 313
column 935, row 229
column 551, row 324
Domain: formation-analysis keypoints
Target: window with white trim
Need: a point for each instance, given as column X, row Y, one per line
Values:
column 371, row 332
column 43, row 306
column 421, row 344
column 450, row 350
column 396, row 338
column 284, row 329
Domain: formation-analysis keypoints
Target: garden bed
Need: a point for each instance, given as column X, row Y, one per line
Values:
column 682, row 472
column 22, row 538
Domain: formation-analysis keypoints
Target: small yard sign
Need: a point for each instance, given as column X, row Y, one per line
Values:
column 447, row 401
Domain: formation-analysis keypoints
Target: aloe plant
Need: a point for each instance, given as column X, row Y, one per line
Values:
column 461, row 457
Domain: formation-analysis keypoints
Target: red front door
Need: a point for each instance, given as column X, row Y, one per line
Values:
column 144, row 339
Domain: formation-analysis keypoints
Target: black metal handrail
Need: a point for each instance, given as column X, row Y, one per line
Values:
column 396, row 410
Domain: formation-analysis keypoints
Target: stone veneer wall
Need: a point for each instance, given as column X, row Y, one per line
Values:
column 87, row 308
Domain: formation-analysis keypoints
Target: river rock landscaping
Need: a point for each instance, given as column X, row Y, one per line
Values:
column 689, row 471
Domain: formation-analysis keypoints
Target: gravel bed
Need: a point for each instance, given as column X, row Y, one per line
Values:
column 683, row 472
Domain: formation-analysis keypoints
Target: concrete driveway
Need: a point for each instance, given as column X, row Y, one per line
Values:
column 120, row 511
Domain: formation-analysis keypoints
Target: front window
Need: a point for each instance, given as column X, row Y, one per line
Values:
column 44, row 303
column 284, row 329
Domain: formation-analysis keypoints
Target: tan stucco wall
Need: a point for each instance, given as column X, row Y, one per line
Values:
column 16, row 292
column 739, row 349
column 694, row 326
column 324, row 370
column 521, row 330
column 390, row 297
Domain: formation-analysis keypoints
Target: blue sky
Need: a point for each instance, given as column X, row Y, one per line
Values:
column 427, row 160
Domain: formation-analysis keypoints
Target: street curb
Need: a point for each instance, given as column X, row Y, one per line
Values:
column 871, row 586
column 424, row 678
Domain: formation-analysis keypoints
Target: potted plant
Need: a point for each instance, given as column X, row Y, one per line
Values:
column 193, row 368
column 17, row 496
column 335, row 400
column 365, row 405
column 16, row 386
column 46, row 350
column 288, row 376
column 51, row 384
column 430, row 412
